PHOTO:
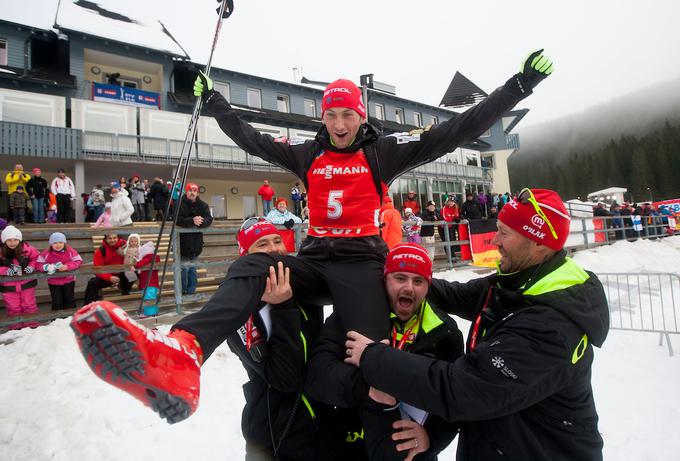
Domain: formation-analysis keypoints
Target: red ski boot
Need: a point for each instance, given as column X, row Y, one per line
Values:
column 163, row 371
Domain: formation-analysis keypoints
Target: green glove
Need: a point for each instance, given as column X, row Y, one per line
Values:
column 535, row 68
column 202, row 85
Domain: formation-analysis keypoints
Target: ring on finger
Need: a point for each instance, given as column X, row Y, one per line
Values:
column 349, row 351
column 416, row 440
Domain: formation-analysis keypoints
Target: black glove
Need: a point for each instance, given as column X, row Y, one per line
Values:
column 535, row 68
column 289, row 224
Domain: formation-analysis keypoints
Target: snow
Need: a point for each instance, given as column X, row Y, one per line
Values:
column 144, row 32
column 38, row 14
column 54, row 407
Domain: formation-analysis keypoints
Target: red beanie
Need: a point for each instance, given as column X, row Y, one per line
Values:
column 409, row 257
column 190, row 186
column 523, row 218
column 281, row 199
column 343, row 93
column 246, row 237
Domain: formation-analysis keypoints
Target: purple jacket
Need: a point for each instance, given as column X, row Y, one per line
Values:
column 68, row 257
column 29, row 257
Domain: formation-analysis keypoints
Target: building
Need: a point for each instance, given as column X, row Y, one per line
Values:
column 103, row 94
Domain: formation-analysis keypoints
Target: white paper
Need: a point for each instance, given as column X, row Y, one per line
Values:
column 416, row 414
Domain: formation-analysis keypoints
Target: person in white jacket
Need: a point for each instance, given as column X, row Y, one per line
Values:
column 63, row 189
column 121, row 206
column 281, row 215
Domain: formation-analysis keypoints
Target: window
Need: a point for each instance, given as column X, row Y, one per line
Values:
column 310, row 107
column 486, row 134
column 254, row 98
column 3, row 52
column 399, row 115
column 380, row 112
column 434, row 120
column 418, row 119
column 283, row 103
column 223, row 89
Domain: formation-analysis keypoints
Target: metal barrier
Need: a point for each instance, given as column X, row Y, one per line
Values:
column 643, row 302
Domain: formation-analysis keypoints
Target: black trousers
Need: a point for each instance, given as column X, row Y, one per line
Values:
column 63, row 208
column 95, row 284
column 63, row 296
column 347, row 272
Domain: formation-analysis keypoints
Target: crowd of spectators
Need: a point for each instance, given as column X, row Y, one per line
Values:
column 632, row 220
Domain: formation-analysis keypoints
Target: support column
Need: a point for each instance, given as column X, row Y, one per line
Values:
column 79, row 183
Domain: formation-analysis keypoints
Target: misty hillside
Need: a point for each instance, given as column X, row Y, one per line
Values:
column 634, row 114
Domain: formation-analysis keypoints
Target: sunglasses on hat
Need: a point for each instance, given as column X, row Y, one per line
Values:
column 525, row 197
column 250, row 222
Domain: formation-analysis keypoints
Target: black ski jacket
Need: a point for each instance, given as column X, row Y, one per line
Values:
column 524, row 393
column 37, row 186
column 191, row 244
column 331, row 381
column 273, row 392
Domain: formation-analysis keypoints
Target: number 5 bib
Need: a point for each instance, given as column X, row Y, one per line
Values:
column 343, row 201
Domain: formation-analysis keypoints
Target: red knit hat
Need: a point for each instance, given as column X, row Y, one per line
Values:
column 191, row 185
column 519, row 214
column 251, row 234
column 281, row 199
column 409, row 257
column 343, row 93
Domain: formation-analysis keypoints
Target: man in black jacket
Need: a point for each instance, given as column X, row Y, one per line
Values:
column 158, row 195
column 193, row 213
column 429, row 214
column 37, row 188
column 522, row 391
column 471, row 208
column 418, row 327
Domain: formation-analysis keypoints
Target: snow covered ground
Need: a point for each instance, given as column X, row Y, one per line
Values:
column 53, row 407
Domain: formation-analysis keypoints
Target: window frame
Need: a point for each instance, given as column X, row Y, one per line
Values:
column 281, row 97
column 381, row 115
column 256, row 91
column 400, row 115
column 313, row 107
column 5, row 55
column 223, row 88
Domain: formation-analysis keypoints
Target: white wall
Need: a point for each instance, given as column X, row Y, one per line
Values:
column 34, row 108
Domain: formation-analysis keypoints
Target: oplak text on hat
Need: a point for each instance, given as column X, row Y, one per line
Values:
column 409, row 257
column 523, row 218
column 343, row 93
column 246, row 237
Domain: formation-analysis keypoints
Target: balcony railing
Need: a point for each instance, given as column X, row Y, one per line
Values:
column 39, row 140
column 512, row 141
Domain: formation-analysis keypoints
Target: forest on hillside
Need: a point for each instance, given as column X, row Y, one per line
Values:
column 649, row 166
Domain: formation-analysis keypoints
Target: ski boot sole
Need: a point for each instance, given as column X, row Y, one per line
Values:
column 109, row 351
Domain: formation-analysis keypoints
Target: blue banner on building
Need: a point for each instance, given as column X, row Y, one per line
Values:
column 123, row 95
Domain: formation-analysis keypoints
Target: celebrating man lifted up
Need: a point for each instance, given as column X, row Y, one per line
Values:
column 346, row 170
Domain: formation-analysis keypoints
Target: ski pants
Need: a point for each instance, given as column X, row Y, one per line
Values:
column 63, row 296
column 347, row 272
column 20, row 302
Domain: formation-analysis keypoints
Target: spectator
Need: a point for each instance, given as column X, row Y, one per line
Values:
column 88, row 208
column 429, row 214
column 18, row 258
column 493, row 213
column 501, row 202
column 121, row 207
column 617, row 221
column 266, row 193
column 412, row 203
column 144, row 257
column 523, row 390
column 98, row 201
column 104, row 219
column 390, row 223
column 17, row 203
column 148, row 201
column 37, row 191
column 110, row 253
column 296, row 197
column 192, row 213
column 63, row 189
column 60, row 257
column 471, row 208
column 137, row 199
column 281, row 215
column 412, row 226
column 451, row 214
column 13, row 179
column 159, row 197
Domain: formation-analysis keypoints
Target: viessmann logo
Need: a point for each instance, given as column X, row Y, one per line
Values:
column 331, row 170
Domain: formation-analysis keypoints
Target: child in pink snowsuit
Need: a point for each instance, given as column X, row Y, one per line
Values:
column 60, row 257
column 104, row 219
column 18, row 258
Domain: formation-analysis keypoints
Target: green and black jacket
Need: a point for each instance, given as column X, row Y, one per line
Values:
column 524, row 392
